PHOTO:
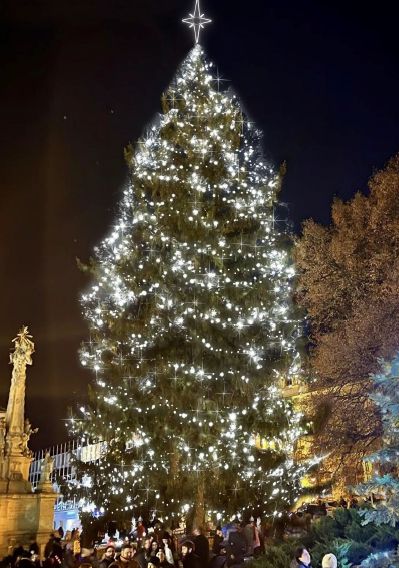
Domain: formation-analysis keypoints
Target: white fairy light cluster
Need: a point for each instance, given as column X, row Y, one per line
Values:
column 191, row 325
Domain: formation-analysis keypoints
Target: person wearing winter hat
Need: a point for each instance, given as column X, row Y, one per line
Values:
column 168, row 548
column 329, row 561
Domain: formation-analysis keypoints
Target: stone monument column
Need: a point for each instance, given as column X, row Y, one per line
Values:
column 17, row 430
column 15, row 415
column 23, row 513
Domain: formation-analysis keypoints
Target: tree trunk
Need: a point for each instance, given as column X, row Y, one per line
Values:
column 196, row 517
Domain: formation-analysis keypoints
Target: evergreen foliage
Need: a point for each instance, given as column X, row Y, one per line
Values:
column 386, row 398
column 191, row 326
column 342, row 548
column 275, row 557
column 343, row 535
column 386, row 559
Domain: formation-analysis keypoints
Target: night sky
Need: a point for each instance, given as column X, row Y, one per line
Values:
column 81, row 79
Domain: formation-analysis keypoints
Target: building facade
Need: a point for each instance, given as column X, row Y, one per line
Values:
column 66, row 512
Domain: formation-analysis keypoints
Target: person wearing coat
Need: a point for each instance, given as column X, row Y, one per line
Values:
column 217, row 540
column 301, row 558
column 201, row 547
column 108, row 557
column 188, row 557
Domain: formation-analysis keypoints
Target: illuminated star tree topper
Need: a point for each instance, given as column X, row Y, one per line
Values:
column 197, row 21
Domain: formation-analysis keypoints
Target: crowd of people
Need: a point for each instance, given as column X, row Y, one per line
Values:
column 152, row 548
column 228, row 547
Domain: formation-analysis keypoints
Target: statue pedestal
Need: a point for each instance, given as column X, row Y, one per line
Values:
column 14, row 487
column 14, row 468
column 45, row 487
column 24, row 517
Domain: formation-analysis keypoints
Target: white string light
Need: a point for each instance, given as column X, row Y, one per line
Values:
column 191, row 327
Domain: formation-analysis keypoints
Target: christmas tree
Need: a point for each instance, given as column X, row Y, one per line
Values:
column 386, row 483
column 191, row 324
